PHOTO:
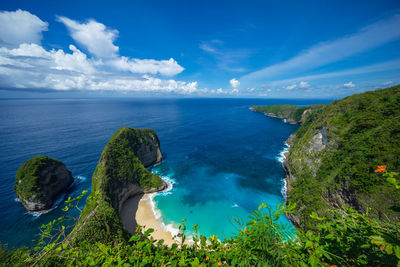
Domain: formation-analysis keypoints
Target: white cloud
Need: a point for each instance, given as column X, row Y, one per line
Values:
column 19, row 27
column 388, row 83
column 165, row 67
column 234, row 91
column 207, row 48
column 30, row 66
column 220, row 91
column 35, row 57
column 25, row 64
column 94, row 36
column 234, row 83
column 99, row 41
column 291, row 87
column 349, row 85
column 367, row 38
column 304, row 84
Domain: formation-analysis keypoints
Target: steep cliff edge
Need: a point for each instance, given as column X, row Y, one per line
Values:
column 333, row 155
column 292, row 114
column 120, row 174
column 40, row 181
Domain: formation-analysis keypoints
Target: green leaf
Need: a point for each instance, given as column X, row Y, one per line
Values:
column 397, row 251
column 389, row 249
column 148, row 231
column 391, row 181
column 377, row 240
column 134, row 238
column 195, row 262
column 203, row 240
column 365, row 246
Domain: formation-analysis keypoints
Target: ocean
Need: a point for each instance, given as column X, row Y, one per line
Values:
column 222, row 159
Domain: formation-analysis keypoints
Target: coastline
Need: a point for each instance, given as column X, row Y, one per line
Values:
column 282, row 158
column 141, row 210
column 146, row 216
column 273, row 115
column 138, row 210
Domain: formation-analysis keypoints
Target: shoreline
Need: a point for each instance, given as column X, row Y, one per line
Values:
column 141, row 210
column 146, row 216
column 138, row 210
column 282, row 158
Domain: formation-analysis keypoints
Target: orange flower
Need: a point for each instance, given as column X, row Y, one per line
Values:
column 381, row 168
column 219, row 263
column 334, row 265
column 309, row 251
column 227, row 250
column 207, row 258
column 245, row 229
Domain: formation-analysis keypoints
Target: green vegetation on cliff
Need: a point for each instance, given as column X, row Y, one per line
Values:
column 40, row 181
column 336, row 150
column 118, row 169
column 119, row 160
column 26, row 179
column 292, row 113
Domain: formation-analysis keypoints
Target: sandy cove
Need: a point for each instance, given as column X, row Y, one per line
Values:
column 138, row 211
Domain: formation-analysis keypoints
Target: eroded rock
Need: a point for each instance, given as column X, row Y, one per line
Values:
column 40, row 181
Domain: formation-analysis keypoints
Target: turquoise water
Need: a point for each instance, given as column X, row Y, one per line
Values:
column 222, row 157
column 229, row 168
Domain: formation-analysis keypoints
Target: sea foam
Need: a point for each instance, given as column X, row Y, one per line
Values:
column 173, row 229
column 37, row 214
column 281, row 158
column 157, row 214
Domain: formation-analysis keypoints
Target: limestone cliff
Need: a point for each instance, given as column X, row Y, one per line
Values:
column 333, row 155
column 291, row 114
column 40, row 181
column 120, row 174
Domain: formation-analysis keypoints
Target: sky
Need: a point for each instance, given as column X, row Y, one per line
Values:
column 265, row 49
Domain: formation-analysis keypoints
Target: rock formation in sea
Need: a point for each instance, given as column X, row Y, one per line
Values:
column 120, row 174
column 40, row 181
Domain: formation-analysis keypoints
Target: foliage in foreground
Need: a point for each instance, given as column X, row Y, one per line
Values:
column 345, row 238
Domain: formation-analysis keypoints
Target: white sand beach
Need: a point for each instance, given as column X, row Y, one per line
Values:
column 138, row 211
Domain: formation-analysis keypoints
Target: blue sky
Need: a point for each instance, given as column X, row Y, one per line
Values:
column 276, row 49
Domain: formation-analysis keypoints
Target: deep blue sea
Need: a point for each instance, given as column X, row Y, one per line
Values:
column 221, row 157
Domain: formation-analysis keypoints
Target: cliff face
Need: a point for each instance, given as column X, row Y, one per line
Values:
column 40, row 181
column 292, row 114
column 119, row 175
column 333, row 155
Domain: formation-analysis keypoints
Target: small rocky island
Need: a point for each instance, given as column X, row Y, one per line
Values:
column 291, row 114
column 40, row 181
